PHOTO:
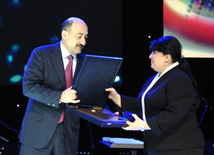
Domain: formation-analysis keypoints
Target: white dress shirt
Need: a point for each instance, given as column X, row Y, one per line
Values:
column 65, row 59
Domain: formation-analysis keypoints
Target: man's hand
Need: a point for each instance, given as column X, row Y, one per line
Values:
column 69, row 96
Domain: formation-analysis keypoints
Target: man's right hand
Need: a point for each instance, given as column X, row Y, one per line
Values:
column 69, row 96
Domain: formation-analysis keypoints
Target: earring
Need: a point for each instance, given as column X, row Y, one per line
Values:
column 165, row 63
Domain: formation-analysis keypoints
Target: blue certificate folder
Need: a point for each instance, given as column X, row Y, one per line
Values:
column 117, row 142
column 95, row 75
column 103, row 118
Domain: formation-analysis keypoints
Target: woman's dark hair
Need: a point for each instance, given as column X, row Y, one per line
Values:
column 167, row 45
column 170, row 45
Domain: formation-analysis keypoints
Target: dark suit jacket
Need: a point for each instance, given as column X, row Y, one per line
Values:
column 43, row 82
column 170, row 107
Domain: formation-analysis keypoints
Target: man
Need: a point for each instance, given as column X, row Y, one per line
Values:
column 47, row 128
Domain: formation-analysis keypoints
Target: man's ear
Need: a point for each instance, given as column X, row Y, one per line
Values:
column 64, row 34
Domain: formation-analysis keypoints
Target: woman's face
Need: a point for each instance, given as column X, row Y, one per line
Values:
column 158, row 60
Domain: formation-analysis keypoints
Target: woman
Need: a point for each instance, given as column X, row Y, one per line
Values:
column 167, row 103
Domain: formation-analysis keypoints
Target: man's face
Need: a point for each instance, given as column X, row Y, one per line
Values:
column 74, row 39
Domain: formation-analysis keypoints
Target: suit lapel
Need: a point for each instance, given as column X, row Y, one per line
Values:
column 58, row 63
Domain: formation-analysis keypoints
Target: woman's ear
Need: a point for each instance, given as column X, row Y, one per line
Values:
column 168, row 58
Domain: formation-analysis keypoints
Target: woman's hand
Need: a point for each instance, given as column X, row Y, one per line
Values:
column 117, row 113
column 114, row 96
column 136, row 125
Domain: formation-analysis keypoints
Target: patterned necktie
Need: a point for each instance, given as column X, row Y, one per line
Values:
column 68, row 77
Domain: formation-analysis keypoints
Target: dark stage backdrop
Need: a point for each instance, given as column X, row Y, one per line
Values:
column 26, row 24
column 142, row 21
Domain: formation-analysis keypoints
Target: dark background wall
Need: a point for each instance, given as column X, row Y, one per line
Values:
column 126, row 35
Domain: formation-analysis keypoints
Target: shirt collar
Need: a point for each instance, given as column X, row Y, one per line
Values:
column 65, row 52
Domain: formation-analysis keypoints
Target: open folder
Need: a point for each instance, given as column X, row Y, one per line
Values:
column 95, row 75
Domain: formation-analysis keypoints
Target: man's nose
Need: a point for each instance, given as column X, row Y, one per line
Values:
column 83, row 41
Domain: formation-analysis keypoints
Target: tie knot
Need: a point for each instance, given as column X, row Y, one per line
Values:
column 70, row 57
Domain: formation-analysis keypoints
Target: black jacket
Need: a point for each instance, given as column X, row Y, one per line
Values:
column 170, row 109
